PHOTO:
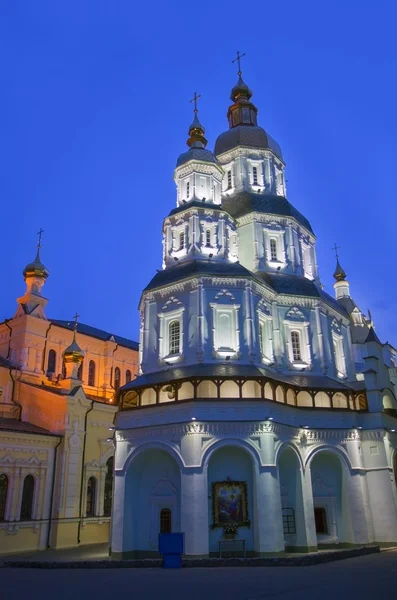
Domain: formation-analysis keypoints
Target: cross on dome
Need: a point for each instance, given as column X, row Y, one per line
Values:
column 194, row 99
column 336, row 248
column 39, row 233
column 76, row 317
column 238, row 59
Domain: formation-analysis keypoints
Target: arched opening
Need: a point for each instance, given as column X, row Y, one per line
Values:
column 117, row 379
column 322, row 399
column 108, row 493
column 230, row 490
column 251, row 389
column 91, row 494
column 128, row 376
column 148, row 397
column 388, row 402
column 3, row 495
column 27, row 498
column 291, row 397
column 174, row 337
column 167, row 393
column 186, row 391
column 165, row 520
column 230, row 389
column 330, row 499
column 91, row 373
column 52, row 362
column 304, row 399
column 207, row 389
column 268, row 391
column 280, row 394
column 152, row 484
column 80, row 371
column 339, row 400
column 292, row 499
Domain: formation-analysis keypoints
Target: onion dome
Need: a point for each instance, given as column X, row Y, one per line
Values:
column 73, row 353
column 339, row 273
column 241, row 91
column 36, row 268
column 196, row 142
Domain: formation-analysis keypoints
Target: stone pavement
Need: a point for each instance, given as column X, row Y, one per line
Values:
column 363, row 578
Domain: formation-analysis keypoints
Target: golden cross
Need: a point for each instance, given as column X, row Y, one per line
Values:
column 238, row 58
column 76, row 316
column 39, row 233
column 194, row 99
column 336, row 248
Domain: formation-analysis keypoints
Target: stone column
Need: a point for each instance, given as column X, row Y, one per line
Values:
column 308, row 511
column 117, row 543
column 194, row 511
column 267, row 519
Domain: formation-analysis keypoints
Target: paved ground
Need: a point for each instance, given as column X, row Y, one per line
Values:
column 363, row 578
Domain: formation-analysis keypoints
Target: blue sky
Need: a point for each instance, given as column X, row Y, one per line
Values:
column 94, row 111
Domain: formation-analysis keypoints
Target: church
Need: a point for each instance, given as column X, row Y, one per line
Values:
column 264, row 413
column 59, row 390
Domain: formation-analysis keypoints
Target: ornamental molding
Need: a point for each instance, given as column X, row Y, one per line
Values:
column 329, row 436
column 197, row 166
column 246, row 152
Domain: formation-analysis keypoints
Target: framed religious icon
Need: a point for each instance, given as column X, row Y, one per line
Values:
column 229, row 503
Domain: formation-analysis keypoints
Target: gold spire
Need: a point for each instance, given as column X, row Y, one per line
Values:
column 74, row 353
column 196, row 130
column 36, row 268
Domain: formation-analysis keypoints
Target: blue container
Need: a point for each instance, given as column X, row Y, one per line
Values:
column 171, row 546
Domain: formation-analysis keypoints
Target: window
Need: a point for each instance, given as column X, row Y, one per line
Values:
column 174, row 337
column 181, row 240
column 3, row 495
column 288, row 521
column 107, row 502
column 63, row 370
column 265, row 339
column 91, row 373
column 229, row 180
column 27, row 497
column 80, row 371
column 52, row 360
column 127, row 376
column 320, row 518
column 117, row 379
column 296, row 346
column 340, row 363
column 273, row 249
column 90, row 503
column 255, row 175
column 208, row 238
column 165, row 520
column 188, row 189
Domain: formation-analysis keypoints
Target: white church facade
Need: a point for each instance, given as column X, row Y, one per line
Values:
column 265, row 410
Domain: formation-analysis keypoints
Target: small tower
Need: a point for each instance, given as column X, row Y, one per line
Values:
column 341, row 285
column 198, row 175
column 73, row 357
column 35, row 275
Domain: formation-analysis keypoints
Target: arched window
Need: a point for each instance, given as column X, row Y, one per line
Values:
column 27, row 497
column 117, row 379
column 255, row 175
column 80, row 371
column 90, row 503
column 229, row 180
column 107, row 502
column 174, row 337
column 3, row 495
column 91, row 373
column 296, row 346
column 52, row 361
column 188, row 190
column 63, row 369
column 127, row 376
column 273, row 249
column 165, row 520
column 208, row 238
column 181, row 240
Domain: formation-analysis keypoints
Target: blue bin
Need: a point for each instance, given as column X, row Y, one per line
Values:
column 171, row 547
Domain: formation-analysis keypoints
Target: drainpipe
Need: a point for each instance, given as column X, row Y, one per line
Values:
column 82, row 470
column 52, row 493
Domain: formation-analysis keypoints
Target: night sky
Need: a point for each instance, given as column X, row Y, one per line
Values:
column 94, row 111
